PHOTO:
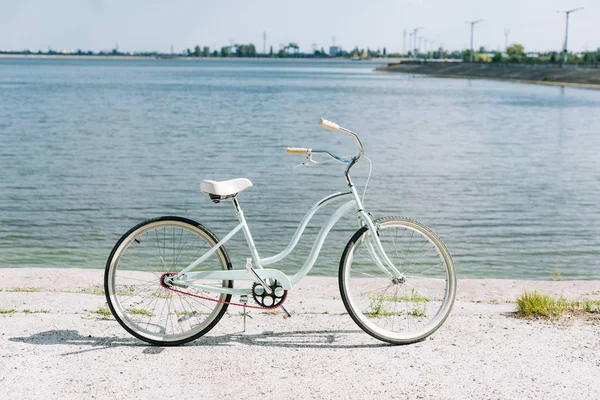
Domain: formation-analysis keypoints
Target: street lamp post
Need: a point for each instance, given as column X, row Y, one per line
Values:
column 567, row 12
column 472, row 25
column 415, row 40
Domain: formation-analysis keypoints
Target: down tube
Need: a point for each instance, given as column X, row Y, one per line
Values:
column 301, row 227
column 316, row 249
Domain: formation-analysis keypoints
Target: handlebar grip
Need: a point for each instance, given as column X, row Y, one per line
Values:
column 332, row 126
column 296, row 150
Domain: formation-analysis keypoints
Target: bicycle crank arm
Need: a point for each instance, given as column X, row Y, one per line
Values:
column 236, row 275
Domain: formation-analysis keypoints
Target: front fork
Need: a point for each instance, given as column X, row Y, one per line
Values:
column 377, row 252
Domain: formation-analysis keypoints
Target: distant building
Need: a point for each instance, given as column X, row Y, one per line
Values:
column 292, row 48
column 335, row 50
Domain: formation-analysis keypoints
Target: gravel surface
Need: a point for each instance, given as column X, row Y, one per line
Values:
column 481, row 352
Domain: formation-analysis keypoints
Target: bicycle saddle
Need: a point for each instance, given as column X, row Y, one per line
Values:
column 220, row 190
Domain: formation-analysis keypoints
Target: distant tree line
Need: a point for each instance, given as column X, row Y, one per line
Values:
column 515, row 53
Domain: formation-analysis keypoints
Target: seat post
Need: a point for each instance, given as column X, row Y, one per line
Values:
column 236, row 205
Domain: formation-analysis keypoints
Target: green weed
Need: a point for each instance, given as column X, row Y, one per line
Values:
column 104, row 312
column 137, row 311
column 539, row 305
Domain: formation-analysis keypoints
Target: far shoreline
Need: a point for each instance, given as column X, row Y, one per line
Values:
column 185, row 58
column 542, row 74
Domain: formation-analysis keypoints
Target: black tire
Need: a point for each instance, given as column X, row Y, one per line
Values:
column 133, row 278
column 386, row 305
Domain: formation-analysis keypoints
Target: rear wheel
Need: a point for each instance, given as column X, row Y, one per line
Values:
column 403, row 307
column 136, row 281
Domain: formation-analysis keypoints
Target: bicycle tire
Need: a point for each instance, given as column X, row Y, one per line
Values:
column 133, row 281
column 378, row 303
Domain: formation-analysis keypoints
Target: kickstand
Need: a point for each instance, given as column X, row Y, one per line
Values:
column 244, row 301
column 286, row 312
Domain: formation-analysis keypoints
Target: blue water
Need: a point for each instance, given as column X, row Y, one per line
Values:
column 507, row 174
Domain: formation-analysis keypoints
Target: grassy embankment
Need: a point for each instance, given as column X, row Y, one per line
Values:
column 548, row 74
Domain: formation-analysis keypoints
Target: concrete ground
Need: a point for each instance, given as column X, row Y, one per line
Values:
column 481, row 352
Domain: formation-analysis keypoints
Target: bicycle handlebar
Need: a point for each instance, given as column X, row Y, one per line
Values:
column 332, row 126
column 300, row 151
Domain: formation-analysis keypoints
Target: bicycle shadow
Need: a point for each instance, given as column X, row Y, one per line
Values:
column 73, row 338
column 292, row 339
column 315, row 339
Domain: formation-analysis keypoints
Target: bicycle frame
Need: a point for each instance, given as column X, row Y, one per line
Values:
column 187, row 275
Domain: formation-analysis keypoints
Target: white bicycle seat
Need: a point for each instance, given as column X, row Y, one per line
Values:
column 225, row 188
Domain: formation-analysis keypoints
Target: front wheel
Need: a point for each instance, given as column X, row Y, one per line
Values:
column 408, row 302
column 136, row 281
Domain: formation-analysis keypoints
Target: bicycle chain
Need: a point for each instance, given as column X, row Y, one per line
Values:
column 227, row 302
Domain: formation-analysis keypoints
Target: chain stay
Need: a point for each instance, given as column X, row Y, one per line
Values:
column 227, row 302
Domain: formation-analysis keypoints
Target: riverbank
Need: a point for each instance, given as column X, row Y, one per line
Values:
column 545, row 74
column 58, row 344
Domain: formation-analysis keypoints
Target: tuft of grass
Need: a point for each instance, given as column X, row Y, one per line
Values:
column 534, row 304
column 556, row 275
column 26, row 311
column 379, row 305
column 96, row 291
column 590, row 306
column 104, row 312
column 413, row 298
column 24, row 290
column 138, row 311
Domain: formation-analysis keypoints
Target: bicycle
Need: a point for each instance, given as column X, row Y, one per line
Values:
column 396, row 277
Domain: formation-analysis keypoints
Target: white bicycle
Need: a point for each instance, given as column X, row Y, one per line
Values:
column 169, row 280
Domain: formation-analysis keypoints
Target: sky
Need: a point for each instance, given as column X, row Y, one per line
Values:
column 152, row 25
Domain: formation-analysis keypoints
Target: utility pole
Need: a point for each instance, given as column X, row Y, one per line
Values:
column 506, row 33
column 472, row 26
column 404, row 43
column 415, row 40
column 410, row 36
column 567, row 31
column 265, row 42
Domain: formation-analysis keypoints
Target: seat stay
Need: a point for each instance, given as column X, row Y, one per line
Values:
column 211, row 251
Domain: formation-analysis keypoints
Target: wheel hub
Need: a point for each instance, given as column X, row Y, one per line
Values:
column 166, row 279
column 398, row 280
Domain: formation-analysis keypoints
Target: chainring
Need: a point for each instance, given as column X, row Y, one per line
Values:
column 270, row 301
